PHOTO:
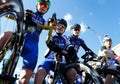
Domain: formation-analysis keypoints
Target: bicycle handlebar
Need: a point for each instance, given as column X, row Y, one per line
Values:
column 51, row 28
column 88, row 57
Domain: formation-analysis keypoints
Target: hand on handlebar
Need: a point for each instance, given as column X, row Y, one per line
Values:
column 70, row 56
column 28, row 15
column 52, row 23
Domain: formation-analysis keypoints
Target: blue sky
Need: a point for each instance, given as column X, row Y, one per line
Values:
column 102, row 16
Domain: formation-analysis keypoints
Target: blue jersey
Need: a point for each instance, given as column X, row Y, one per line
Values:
column 77, row 42
column 61, row 41
column 30, row 48
column 34, row 32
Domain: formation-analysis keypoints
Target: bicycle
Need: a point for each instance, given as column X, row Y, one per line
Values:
column 15, row 9
column 59, row 77
column 102, row 70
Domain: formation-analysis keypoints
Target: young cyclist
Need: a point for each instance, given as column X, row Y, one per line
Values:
column 76, row 41
column 31, row 38
column 30, row 49
column 110, row 56
column 106, row 48
column 59, row 43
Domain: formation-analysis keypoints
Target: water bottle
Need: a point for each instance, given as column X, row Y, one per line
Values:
column 78, row 79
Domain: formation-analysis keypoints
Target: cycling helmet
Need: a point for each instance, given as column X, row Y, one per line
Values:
column 62, row 21
column 76, row 26
column 106, row 38
column 46, row 1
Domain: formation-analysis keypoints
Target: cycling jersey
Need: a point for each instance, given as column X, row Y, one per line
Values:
column 30, row 48
column 110, row 62
column 101, row 53
column 62, row 42
column 77, row 42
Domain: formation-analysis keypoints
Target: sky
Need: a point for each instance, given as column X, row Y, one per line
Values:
column 101, row 16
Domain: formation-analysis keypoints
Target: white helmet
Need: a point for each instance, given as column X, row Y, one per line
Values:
column 106, row 38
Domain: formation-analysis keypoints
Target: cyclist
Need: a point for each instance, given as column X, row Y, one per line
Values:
column 30, row 48
column 58, row 44
column 77, row 42
column 106, row 48
column 110, row 56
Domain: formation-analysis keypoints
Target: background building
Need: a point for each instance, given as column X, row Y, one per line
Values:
column 117, row 49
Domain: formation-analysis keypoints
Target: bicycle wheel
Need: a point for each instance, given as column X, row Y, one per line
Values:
column 12, row 9
column 90, row 75
column 104, row 72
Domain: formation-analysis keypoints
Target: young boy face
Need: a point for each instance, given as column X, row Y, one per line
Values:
column 108, row 43
column 60, row 28
column 76, row 31
column 42, row 7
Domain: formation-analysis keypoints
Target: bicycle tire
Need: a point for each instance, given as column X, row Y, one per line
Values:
column 16, row 10
column 94, row 77
column 105, row 72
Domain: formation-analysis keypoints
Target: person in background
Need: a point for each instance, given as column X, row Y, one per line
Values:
column 110, row 57
column 106, row 48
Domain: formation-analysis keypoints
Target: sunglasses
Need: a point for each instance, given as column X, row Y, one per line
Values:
column 76, row 29
column 44, row 4
column 61, row 26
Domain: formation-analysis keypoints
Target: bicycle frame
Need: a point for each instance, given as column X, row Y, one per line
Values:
column 79, row 67
column 58, row 74
column 15, row 9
